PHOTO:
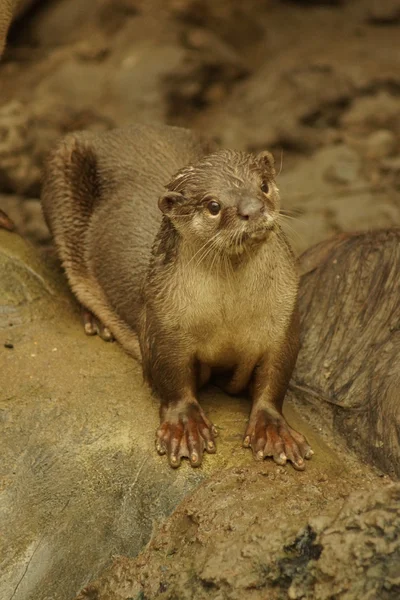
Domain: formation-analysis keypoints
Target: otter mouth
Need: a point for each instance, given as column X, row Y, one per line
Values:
column 258, row 234
column 249, row 238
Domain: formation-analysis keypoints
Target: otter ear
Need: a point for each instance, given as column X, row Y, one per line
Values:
column 266, row 162
column 169, row 201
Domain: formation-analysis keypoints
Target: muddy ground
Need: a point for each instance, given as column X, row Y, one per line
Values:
column 318, row 84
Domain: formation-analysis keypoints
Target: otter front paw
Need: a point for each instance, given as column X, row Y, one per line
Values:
column 269, row 435
column 185, row 432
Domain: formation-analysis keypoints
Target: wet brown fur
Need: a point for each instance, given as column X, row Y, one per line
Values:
column 137, row 271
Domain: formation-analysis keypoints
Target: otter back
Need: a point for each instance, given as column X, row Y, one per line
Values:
column 100, row 201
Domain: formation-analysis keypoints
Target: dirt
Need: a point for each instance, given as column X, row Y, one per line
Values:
column 318, row 84
column 239, row 544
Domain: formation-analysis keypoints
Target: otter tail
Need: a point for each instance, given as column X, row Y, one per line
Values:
column 71, row 187
column 71, row 190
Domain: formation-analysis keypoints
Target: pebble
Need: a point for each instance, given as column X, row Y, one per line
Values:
column 9, row 345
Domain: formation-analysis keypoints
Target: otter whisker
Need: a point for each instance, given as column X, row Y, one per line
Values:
column 228, row 270
column 217, row 254
column 280, row 168
column 238, row 239
column 202, row 247
column 290, row 212
column 289, row 217
column 294, row 234
column 215, row 257
column 213, row 246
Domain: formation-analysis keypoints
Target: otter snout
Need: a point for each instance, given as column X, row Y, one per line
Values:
column 250, row 208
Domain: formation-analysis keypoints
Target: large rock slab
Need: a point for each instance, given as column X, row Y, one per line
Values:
column 349, row 362
column 80, row 479
column 251, row 534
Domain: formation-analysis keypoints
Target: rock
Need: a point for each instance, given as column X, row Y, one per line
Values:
column 384, row 12
column 281, row 108
column 370, row 113
column 350, row 352
column 27, row 133
column 234, row 23
column 27, row 217
column 11, row 10
column 390, row 168
column 80, row 477
column 332, row 193
column 222, row 543
column 345, row 167
column 206, row 75
column 18, row 171
column 381, row 144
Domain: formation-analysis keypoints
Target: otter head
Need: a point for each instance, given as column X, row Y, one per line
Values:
column 229, row 197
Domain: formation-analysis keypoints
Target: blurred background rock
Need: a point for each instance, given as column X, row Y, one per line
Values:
column 318, row 83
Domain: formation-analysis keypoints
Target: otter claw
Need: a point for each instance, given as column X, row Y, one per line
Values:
column 185, row 432
column 161, row 449
column 210, row 447
column 299, row 465
column 194, row 459
column 270, row 435
column 174, row 461
column 281, row 459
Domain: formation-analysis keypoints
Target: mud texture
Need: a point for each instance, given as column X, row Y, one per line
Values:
column 251, row 533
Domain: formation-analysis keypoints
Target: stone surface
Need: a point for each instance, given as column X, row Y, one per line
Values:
column 265, row 532
column 332, row 193
column 349, row 362
column 384, row 12
column 381, row 144
column 27, row 217
column 260, row 533
column 80, row 478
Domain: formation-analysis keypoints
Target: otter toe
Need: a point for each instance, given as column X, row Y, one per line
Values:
column 93, row 326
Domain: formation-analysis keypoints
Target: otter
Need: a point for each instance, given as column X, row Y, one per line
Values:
column 173, row 247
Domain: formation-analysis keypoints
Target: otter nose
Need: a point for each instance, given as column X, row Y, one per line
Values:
column 250, row 208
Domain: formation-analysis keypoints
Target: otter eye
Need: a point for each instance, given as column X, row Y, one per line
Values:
column 264, row 187
column 214, row 207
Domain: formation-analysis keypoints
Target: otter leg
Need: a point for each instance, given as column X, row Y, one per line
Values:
column 93, row 326
column 185, row 431
column 268, row 433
